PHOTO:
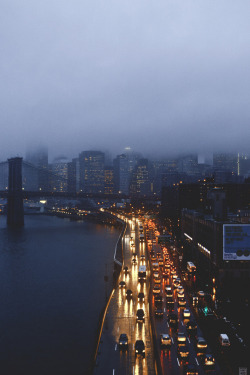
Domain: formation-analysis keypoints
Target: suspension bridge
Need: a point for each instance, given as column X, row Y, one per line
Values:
column 20, row 180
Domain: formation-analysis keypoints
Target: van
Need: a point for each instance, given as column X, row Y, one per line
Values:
column 224, row 340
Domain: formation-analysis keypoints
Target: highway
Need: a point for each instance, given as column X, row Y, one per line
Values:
column 121, row 315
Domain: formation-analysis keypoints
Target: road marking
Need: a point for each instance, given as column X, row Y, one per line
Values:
column 167, row 325
column 113, row 371
column 188, row 340
column 133, row 328
column 172, row 340
column 115, row 346
column 133, row 370
column 178, row 362
column 118, row 329
column 164, row 309
column 133, row 346
column 197, row 361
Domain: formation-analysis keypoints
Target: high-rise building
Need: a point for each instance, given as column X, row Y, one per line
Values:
column 226, row 162
column 140, row 180
column 188, row 164
column 243, row 165
column 92, row 171
column 73, row 176
column 39, row 158
column 59, row 169
column 109, row 180
column 121, row 174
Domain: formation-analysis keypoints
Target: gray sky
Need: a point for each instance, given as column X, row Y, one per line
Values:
column 160, row 76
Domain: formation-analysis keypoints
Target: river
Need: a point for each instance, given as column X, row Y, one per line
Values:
column 52, row 292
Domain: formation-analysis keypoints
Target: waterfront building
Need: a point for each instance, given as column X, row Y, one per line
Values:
column 91, row 164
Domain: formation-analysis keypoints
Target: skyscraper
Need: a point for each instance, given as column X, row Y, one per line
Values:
column 121, row 174
column 92, row 171
column 39, row 158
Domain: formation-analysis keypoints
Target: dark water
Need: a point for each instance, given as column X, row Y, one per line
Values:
column 52, row 291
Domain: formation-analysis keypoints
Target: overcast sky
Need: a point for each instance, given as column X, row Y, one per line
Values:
column 160, row 76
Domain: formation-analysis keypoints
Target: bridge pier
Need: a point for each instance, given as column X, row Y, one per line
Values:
column 15, row 213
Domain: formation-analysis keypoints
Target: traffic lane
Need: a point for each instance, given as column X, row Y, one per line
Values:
column 120, row 319
column 199, row 358
column 168, row 361
column 141, row 328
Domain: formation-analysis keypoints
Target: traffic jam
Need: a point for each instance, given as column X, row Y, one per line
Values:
column 179, row 340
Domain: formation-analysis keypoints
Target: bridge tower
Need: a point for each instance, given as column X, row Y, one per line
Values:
column 15, row 213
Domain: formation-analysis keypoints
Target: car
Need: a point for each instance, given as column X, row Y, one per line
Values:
column 191, row 369
column 161, row 262
column 166, row 340
column 180, row 289
column 191, row 327
column 122, row 284
column 139, row 348
column 156, row 289
column 158, row 312
column 201, row 345
column 201, row 293
column 142, row 257
column 168, row 290
column 140, row 316
column 134, row 260
column 181, row 338
column 129, row 294
column 153, row 258
column 180, row 294
column 156, row 274
column 186, row 314
column 209, row 361
column 176, row 284
column 125, row 270
column 195, row 301
column 123, row 341
column 181, row 302
column 169, row 302
column 183, row 352
column 157, row 280
column 224, row 340
column 158, row 299
column 165, row 274
column 172, row 319
column 141, row 297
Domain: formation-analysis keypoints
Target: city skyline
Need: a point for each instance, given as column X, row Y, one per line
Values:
column 162, row 78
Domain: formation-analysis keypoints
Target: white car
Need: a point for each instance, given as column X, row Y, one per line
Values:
column 186, row 313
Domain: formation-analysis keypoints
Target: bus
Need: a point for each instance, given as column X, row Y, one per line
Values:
column 142, row 273
column 191, row 268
